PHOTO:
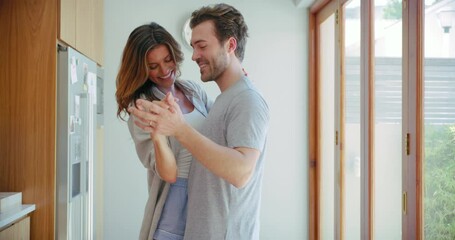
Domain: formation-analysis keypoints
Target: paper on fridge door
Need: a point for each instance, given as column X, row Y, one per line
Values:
column 91, row 78
column 73, row 70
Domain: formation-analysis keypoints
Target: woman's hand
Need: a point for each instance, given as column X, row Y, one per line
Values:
column 163, row 117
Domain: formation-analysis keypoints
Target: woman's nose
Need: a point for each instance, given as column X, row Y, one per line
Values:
column 163, row 69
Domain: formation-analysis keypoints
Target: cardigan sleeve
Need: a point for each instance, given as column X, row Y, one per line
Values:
column 202, row 94
column 143, row 143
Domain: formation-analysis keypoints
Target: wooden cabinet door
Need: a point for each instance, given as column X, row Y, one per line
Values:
column 81, row 26
column 67, row 26
column 18, row 231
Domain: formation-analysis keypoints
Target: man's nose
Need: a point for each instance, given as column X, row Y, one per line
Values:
column 195, row 55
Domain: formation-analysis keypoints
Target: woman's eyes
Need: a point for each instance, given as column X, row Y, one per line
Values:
column 167, row 60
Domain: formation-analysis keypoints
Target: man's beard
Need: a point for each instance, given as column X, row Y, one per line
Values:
column 219, row 66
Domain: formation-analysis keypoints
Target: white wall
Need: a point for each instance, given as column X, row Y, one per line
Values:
column 275, row 59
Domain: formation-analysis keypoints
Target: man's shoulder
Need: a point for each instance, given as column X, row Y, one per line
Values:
column 250, row 96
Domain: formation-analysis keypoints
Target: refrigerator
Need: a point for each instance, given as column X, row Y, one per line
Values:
column 77, row 114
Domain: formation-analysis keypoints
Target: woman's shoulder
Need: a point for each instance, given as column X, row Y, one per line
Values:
column 186, row 82
column 190, row 84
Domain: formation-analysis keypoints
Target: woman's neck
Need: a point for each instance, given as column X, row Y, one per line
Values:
column 172, row 89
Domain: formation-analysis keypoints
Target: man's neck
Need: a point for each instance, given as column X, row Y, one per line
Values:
column 230, row 76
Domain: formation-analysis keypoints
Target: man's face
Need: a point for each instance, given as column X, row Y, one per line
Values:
column 208, row 52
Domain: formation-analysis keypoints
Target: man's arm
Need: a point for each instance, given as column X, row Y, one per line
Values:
column 233, row 165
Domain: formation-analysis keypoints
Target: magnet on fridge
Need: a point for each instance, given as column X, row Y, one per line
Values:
column 72, row 125
column 77, row 106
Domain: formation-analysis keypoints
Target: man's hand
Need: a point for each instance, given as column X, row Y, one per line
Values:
column 163, row 117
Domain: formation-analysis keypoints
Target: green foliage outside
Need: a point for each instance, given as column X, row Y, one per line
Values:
column 393, row 10
column 439, row 202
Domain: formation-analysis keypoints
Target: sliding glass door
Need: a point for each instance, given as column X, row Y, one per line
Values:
column 439, row 120
column 328, row 185
column 351, row 118
column 388, row 94
column 358, row 108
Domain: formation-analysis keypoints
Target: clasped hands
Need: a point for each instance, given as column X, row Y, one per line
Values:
column 158, row 117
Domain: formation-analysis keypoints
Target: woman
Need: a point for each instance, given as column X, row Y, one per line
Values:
column 149, row 70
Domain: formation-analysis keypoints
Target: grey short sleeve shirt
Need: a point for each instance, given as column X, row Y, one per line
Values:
column 216, row 209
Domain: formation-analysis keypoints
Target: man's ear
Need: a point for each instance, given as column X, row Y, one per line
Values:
column 232, row 44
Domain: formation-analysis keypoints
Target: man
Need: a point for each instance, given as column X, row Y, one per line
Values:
column 225, row 181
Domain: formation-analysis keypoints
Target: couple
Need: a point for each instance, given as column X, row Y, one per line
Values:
column 172, row 122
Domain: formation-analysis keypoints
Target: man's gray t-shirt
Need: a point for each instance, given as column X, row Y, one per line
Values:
column 216, row 209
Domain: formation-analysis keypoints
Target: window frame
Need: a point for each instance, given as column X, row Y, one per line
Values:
column 412, row 162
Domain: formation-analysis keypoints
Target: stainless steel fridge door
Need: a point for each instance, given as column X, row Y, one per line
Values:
column 76, row 121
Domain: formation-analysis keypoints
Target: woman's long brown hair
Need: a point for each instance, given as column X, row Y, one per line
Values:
column 132, row 78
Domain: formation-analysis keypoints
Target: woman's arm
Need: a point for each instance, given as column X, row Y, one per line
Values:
column 166, row 165
column 154, row 152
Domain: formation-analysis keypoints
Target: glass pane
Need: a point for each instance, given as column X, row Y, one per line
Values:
column 327, row 99
column 351, row 163
column 439, row 122
column 388, row 119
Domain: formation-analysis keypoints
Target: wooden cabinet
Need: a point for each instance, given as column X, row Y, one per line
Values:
column 28, row 110
column 28, row 60
column 19, row 230
column 81, row 26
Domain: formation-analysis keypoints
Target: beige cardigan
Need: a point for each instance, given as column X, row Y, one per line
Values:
column 158, row 189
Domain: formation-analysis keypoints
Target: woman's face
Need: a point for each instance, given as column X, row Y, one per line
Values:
column 161, row 66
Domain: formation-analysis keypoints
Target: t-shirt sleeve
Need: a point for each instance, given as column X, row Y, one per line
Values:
column 247, row 121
